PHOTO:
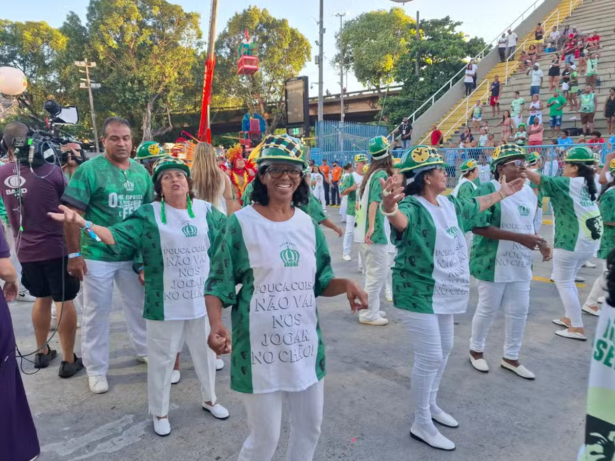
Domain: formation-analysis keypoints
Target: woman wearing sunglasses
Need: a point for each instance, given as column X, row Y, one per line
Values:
column 280, row 257
column 431, row 276
column 578, row 228
column 501, row 261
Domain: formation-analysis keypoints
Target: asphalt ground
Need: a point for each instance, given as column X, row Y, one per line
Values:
column 367, row 413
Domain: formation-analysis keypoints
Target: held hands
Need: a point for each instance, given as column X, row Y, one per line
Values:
column 68, row 216
column 10, row 291
column 339, row 231
column 356, row 296
column 510, row 188
column 219, row 339
column 532, row 241
column 546, row 251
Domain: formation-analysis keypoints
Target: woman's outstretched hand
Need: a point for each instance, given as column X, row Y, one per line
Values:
column 510, row 188
column 390, row 194
column 68, row 216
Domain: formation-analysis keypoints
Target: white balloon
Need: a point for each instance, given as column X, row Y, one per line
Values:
column 13, row 82
column 401, row 1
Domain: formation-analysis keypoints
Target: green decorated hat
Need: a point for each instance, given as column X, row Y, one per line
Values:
column 379, row 147
column 522, row 125
column 468, row 165
column 580, row 154
column 360, row 158
column 169, row 163
column 282, row 148
column 532, row 158
column 612, row 166
column 420, row 158
column 505, row 152
column 601, row 165
column 150, row 149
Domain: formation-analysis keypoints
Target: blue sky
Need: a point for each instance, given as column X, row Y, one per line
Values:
column 485, row 18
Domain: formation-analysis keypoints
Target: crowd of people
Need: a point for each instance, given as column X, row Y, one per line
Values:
column 179, row 243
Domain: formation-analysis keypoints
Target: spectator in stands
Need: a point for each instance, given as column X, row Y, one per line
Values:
column 484, row 172
column 537, row 76
column 521, row 135
column 566, row 80
column 587, row 109
column 535, row 110
column 325, row 170
column 564, row 141
column 594, row 41
column 502, row 45
column 477, row 115
column 466, row 136
column 570, row 48
column 518, row 106
column 580, row 55
column 574, row 89
column 436, row 136
column 581, row 139
column 490, row 141
column 470, row 73
column 482, row 139
column 406, row 133
column 554, row 72
column 536, row 133
column 609, row 111
column 556, row 106
column 524, row 61
column 508, row 126
column 512, row 44
column 597, row 141
column 592, row 69
column 336, row 177
column 539, row 36
column 494, row 101
column 532, row 54
column 554, row 36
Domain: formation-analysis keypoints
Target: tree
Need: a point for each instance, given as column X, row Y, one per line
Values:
column 282, row 53
column 373, row 44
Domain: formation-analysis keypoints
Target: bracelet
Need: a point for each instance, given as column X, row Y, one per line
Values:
column 90, row 232
column 502, row 194
column 392, row 213
column 141, row 268
column 74, row 255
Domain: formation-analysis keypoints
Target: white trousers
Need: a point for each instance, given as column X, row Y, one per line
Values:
column 264, row 413
column 163, row 339
column 515, row 298
column 566, row 265
column 343, row 208
column 376, row 268
column 97, row 302
column 319, row 193
column 431, row 339
column 349, row 234
column 538, row 219
column 599, row 287
column 389, row 284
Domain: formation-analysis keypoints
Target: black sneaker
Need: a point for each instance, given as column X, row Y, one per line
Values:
column 43, row 360
column 68, row 369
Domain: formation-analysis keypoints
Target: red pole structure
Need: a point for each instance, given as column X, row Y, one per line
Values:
column 205, row 124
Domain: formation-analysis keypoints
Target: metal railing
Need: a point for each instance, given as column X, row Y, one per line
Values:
column 448, row 85
column 464, row 116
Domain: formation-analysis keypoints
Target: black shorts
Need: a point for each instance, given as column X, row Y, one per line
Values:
column 44, row 278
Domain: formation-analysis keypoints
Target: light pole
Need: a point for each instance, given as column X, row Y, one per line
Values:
column 90, row 85
column 321, row 39
column 341, row 16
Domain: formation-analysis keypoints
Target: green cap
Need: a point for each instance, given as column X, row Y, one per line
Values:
column 468, row 165
column 169, row 163
column 532, row 158
column 580, row 154
column 360, row 158
column 282, row 148
column 420, row 158
column 601, row 165
column 150, row 149
column 522, row 125
column 379, row 147
column 505, row 152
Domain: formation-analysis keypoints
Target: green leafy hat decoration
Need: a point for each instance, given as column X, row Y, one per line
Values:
column 420, row 158
column 580, row 154
column 612, row 166
column 150, row 149
column 379, row 147
column 505, row 152
column 532, row 158
column 282, row 148
column 360, row 158
column 468, row 166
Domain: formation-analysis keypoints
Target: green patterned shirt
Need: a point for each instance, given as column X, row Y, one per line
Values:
column 607, row 209
column 107, row 195
column 349, row 181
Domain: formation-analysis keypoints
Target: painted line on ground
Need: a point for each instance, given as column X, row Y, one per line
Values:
column 546, row 280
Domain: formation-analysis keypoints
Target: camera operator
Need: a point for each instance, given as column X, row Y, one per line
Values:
column 106, row 190
column 28, row 195
column 73, row 152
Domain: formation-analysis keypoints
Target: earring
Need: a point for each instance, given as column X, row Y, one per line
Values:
column 428, row 183
column 163, row 215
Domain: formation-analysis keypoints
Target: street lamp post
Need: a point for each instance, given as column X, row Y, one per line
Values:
column 90, row 85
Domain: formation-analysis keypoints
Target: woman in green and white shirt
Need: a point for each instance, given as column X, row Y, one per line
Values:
column 578, row 228
column 501, row 261
column 466, row 187
column 349, row 188
column 174, row 235
column 607, row 242
column 431, row 276
column 372, row 232
column 280, row 257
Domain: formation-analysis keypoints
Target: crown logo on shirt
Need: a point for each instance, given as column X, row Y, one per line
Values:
column 290, row 257
column 452, row 231
column 189, row 230
column 524, row 211
column 129, row 186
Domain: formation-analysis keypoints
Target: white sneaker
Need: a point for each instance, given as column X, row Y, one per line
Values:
column 142, row 359
column 162, row 426
column 219, row 364
column 445, row 419
column 589, row 265
column 217, row 411
column 98, row 384
column 25, row 296
column 379, row 322
column 601, row 300
column 382, row 314
column 479, row 364
column 346, row 257
column 519, row 371
column 437, row 440
column 175, row 376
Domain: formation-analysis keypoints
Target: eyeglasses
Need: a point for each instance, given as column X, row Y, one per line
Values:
column 518, row 163
column 277, row 173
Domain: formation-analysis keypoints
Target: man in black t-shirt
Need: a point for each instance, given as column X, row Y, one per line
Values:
column 494, row 101
column 406, row 133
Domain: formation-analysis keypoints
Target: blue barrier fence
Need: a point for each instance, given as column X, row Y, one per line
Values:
column 346, row 136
